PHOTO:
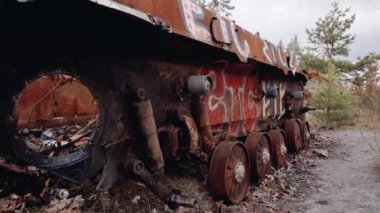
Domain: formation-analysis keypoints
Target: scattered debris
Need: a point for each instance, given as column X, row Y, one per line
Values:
column 60, row 140
column 322, row 202
column 321, row 152
column 136, row 199
column 71, row 204
column 276, row 192
column 18, row 169
column 62, row 193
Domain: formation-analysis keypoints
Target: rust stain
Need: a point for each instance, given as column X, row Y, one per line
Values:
column 45, row 102
column 188, row 19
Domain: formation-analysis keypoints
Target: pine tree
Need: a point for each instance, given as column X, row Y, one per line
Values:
column 294, row 46
column 335, row 102
column 280, row 45
column 330, row 34
column 221, row 7
column 201, row 3
column 306, row 58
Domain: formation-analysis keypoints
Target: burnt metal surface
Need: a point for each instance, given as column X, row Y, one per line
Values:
column 148, row 130
column 181, row 136
column 258, row 146
column 293, row 135
column 54, row 96
column 188, row 19
column 208, row 82
column 277, row 147
column 229, row 174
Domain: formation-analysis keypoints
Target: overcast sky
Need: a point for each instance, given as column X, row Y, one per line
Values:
column 280, row 20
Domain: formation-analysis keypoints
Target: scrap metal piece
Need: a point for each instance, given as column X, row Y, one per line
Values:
column 186, row 137
column 62, row 193
column 169, row 143
column 178, row 200
column 258, row 146
column 230, row 171
column 278, row 148
column 293, row 135
column 172, row 197
column 114, row 154
column 199, row 111
column 17, row 168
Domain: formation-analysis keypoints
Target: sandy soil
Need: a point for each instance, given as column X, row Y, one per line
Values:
column 349, row 179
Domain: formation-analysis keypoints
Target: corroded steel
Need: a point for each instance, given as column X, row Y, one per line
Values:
column 148, row 131
column 233, row 100
column 278, row 148
column 293, row 135
column 49, row 100
column 188, row 19
column 167, row 76
column 258, row 146
column 229, row 171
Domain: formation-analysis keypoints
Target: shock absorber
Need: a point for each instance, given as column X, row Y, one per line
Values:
column 148, row 130
column 172, row 197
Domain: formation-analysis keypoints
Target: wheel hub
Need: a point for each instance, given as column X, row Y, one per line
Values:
column 266, row 156
column 239, row 172
column 283, row 149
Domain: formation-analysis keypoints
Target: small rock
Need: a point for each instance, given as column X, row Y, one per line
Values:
column 321, row 153
column 322, row 202
column 136, row 199
column 270, row 177
column 79, row 201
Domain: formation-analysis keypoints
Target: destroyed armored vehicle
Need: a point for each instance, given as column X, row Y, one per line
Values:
column 129, row 86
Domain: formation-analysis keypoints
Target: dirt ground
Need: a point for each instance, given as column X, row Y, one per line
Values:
column 339, row 172
column 349, row 179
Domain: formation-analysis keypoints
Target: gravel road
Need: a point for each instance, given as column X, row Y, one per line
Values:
column 349, row 178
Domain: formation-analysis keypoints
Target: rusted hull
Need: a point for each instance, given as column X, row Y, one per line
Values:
column 204, row 79
column 47, row 101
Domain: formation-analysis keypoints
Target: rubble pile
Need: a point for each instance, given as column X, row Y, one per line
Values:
column 278, row 191
column 60, row 140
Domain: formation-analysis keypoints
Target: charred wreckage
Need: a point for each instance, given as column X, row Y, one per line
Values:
column 128, row 86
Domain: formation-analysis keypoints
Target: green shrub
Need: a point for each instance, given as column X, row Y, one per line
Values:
column 335, row 105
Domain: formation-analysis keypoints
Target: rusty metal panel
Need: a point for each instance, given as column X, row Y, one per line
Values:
column 188, row 19
column 233, row 100
column 44, row 102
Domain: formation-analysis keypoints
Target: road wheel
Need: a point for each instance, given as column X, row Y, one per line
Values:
column 305, row 132
column 258, row 146
column 278, row 148
column 229, row 174
column 293, row 135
